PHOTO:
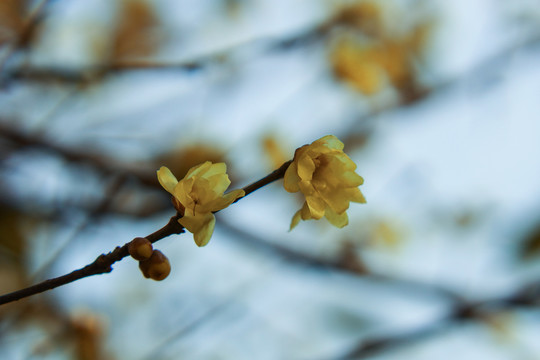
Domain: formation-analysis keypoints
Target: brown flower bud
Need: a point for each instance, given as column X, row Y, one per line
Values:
column 140, row 248
column 157, row 267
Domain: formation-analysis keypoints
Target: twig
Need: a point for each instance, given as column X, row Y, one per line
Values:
column 462, row 311
column 100, row 71
column 102, row 206
column 103, row 263
column 106, row 165
column 275, row 175
column 27, row 29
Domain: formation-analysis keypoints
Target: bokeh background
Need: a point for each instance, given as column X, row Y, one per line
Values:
column 436, row 101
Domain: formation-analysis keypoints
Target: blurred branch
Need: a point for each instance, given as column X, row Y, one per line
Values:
column 103, row 263
column 483, row 70
column 339, row 263
column 105, row 164
column 98, row 72
column 525, row 296
column 93, row 214
column 24, row 35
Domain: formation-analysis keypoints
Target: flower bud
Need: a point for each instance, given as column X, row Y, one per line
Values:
column 157, row 267
column 140, row 248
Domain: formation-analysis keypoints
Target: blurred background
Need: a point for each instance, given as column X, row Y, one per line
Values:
column 436, row 102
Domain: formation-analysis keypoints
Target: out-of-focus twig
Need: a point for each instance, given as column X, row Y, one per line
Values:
column 462, row 311
column 97, row 210
column 100, row 71
column 23, row 35
column 23, row 139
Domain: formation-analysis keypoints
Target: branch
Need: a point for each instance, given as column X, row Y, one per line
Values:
column 21, row 139
column 275, row 175
column 24, row 35
column 100, row 71
column 103, row 263
column 462, row 311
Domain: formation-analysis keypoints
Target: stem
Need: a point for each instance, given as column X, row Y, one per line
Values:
column 103, row 263
column 275, row 175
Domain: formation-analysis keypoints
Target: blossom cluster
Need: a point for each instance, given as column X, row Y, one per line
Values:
column 321, row 171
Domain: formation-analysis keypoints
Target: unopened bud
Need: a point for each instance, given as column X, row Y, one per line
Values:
column 157, row 267
column 140, row 248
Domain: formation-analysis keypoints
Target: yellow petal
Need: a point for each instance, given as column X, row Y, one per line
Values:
column 202, row 237
column 332, row 142
column 305, row 213
column 215, row 169
column 182, row 192
column 337, row 200
column 167, row 179
column 316, row 206
column 219, row 183
column 295, row 220
column 198, row 169
column 341, row 160
column 338, row 220
column 352, row 179
column 306, row 187
column 202, row 193
column 357, row 196
column 306, row 167
column 201, row 225
column 291, row 179
column 226, row 200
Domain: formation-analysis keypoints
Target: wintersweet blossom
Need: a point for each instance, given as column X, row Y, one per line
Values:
column 326, row 177
column 198, row 195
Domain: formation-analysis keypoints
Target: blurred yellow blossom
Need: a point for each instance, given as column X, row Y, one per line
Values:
column 326, row 177
column 368, row 66
column 273, row 148
column 198, row 195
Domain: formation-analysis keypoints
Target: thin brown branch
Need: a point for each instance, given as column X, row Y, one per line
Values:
column 103, row 263
column 275, row 175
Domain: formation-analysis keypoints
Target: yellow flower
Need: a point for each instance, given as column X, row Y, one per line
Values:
column 326, row 177
column 198, row 195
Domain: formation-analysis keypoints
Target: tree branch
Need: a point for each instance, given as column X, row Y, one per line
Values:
column 103, row 263
column 461, row 311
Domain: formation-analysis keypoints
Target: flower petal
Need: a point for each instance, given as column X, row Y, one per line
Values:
column 198, row 170
column 316, row 206
column 337, row 200
column 225, row 200
column 167, row 179
column 291, row 179
column 357, row 196
column 201, row 225
column 219, row 183
column 203, row 236
column 182, row 192
column 306, row 168
column 338, row 220
column 332, row 142
column 295, row 220
column 305, row 213
column 215, row 169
